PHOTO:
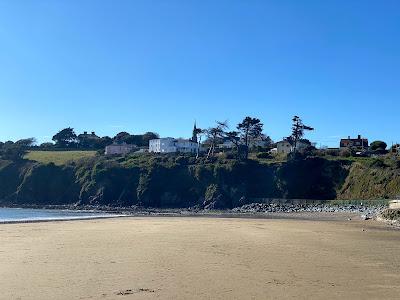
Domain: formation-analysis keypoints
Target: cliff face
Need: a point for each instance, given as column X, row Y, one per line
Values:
column 179, row 182
column 375, row 179
column 27, row 182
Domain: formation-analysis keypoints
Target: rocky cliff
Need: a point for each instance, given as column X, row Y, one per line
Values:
column 179, row 181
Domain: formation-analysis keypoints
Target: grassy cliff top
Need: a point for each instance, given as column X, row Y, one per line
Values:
column 64, row 157
column 58, row 157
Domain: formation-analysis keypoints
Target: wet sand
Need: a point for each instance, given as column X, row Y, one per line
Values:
column 199, row 258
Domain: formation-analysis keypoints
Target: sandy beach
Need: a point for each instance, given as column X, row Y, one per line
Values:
column 199, row 258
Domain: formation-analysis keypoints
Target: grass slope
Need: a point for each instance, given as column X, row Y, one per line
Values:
column 374, row 179
column 58, row 157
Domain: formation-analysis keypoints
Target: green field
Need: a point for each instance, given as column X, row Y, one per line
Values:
column 58, row 157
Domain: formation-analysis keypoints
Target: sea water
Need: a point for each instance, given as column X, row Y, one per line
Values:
column 27, row 214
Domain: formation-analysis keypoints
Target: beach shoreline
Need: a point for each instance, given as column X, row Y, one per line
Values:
column 342, row 213
column 66, row 219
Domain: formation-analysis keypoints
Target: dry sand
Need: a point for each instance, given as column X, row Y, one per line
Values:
column 199, row 258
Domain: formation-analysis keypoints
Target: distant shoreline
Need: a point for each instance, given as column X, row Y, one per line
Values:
column 301, row 203
column 250, row 211
column 60, row 219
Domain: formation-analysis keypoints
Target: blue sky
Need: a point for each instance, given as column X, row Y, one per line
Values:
column 110, row 66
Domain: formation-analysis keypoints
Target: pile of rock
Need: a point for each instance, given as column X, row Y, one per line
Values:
column 391, row 214
column 367, row 211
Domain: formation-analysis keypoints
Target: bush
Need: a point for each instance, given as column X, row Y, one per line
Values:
column 397, row 164
column 320, row 153
column 309, row 151
column 46, row 146
column 332, row 152
column 227, row 155
column 378, row 145
column 378, row 163
column 13, row 152
column 182, row 160
column 345, row 153
column 265, row 155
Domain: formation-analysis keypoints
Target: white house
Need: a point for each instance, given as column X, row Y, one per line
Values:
column 186, row 146
column 171, row 145
column 119, row 149
column 286, row 147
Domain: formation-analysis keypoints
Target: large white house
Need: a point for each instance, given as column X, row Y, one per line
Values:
column 171, row 145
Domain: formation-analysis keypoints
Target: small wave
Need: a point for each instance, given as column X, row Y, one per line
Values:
column 18, row 215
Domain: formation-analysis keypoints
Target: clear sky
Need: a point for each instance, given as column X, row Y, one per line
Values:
column 110, row 66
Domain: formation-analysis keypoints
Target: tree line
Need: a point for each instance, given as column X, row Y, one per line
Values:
column 68, row 139
column 247, row 134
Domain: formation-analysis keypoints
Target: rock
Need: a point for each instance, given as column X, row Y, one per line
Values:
column 365, row 217
column 367, row 212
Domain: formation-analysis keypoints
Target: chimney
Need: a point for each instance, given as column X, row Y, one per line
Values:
column 85, row 132
column 348, row 137
column 359, row 136
column 93, row 133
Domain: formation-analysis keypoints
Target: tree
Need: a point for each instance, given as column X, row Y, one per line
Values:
column 262, row 143
column 214, row 134
column 103, row 142
column 65, row 138
column 141, row 140
column 12, row 152
column 87, row 141
column 249, row 129
column 29, row 142
column 16, row 151
column 134, row 139
column 298, row 129
column 233, row 137
column 197, row 132
column 46, row 145
column 305, row 141
column 121, row 137
column 378, row 145
column 149, row 136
